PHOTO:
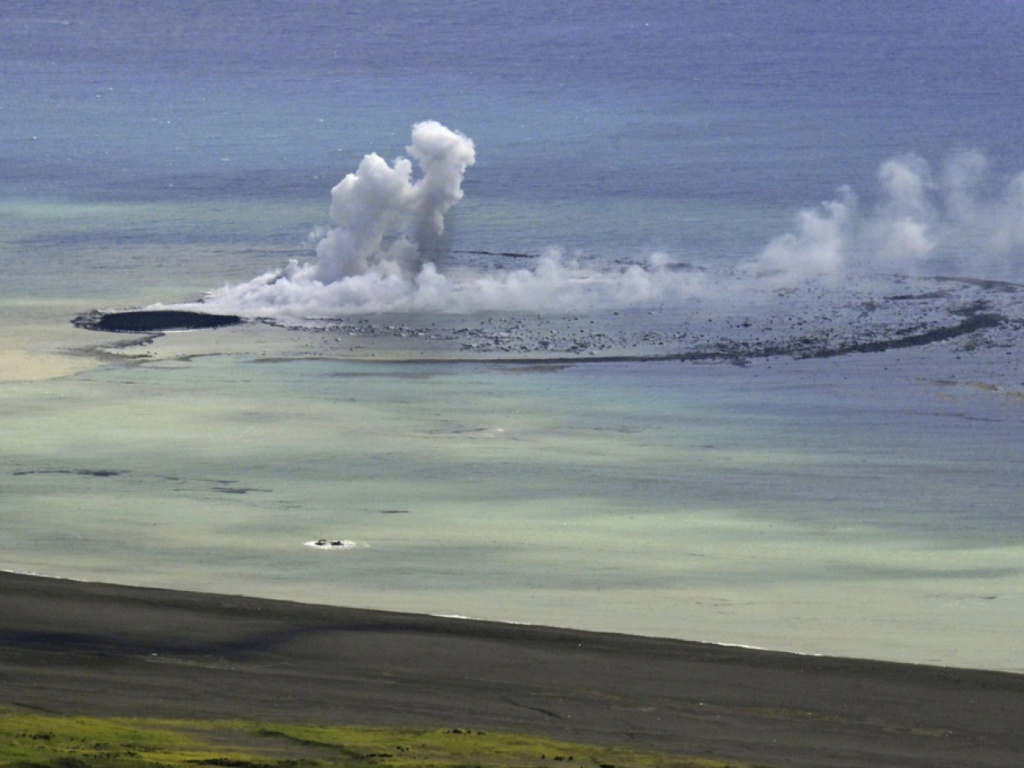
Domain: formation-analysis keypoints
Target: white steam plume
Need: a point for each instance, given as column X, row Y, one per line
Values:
column 816, row 249
column 957, row 222
column 373, row 259
column 382, row 214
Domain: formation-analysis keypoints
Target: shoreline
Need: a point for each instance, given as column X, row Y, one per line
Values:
column 82, row 647
column 638, row 635
column 496, row 622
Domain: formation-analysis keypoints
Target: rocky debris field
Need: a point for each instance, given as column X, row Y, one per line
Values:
column 811, row 321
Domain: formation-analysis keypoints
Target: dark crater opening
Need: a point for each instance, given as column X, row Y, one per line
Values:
column 148, row 321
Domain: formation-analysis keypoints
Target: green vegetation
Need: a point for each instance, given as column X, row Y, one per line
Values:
column 30, row 740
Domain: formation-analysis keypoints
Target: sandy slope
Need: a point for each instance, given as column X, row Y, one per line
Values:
column 85, row 648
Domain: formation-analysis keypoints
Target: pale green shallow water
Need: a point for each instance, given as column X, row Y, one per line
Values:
column 831, row 507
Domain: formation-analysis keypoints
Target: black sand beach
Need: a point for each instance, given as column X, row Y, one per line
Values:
column 70, row 647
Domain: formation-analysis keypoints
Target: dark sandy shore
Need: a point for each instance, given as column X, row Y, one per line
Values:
column 71, row 647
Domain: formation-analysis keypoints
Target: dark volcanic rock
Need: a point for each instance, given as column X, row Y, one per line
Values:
column 148, row 321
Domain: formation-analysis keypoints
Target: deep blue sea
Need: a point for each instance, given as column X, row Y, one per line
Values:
column 699, row 127
column 154, row 152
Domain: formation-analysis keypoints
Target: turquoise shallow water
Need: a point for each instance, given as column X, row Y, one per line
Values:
column 864, row 506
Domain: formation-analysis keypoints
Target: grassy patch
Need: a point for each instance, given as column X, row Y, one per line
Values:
column 29, row 740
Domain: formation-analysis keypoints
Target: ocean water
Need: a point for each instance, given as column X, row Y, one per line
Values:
column 656, row 160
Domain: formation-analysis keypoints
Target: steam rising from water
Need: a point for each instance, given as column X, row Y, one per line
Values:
column 956, row 221
column 387, row 219
column 373, row 259
column 383, row 216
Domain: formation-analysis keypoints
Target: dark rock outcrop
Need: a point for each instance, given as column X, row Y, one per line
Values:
column 152, row 321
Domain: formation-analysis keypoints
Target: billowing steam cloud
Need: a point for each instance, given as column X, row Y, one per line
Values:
column 374, row 260
column 377, row 256
column 956, row 221
column 383, row 215
column 371, row 259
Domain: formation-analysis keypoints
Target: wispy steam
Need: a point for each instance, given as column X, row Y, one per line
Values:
column 816, row 249
column 958, row 221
